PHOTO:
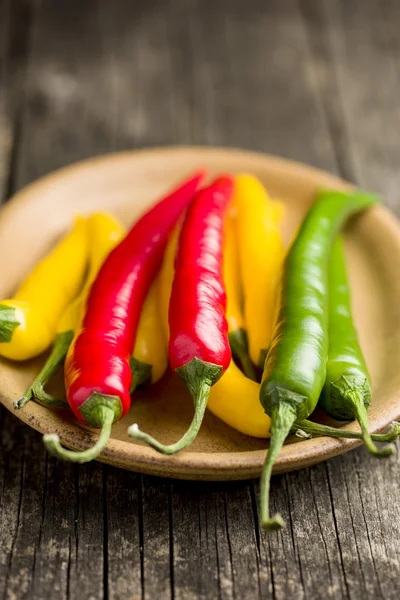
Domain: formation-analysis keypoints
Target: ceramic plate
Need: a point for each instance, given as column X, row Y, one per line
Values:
column 126, row 184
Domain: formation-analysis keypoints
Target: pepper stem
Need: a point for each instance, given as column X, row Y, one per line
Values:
column 200, row 400
column 8, row 322
column 306, row 428
column 52, row 441
column 240, row 350
column 141, row 374
column 54, row 361
column 360, row 413
column 283, row 415
column 247, row 366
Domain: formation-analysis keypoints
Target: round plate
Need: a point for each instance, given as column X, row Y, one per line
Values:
column 125, row 184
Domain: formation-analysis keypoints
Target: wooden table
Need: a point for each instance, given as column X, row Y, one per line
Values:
column 316, row 81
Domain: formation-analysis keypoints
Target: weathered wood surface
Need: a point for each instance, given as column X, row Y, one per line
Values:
column 314, row 80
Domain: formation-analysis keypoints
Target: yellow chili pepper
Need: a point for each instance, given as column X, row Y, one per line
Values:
column 234, row 399
column 150, row 359
column 236, row 327
column 278, row 210
column 104, row 232
column 261, row 257
column 28, row 322
column 166, row 278
column 150, row 355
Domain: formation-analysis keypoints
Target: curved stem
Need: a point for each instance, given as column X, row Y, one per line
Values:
column 283, row 415
column 54, row 361
column 310, row 428
column 360, row 413
column 40, row 394
column 200, row 399
column 52, row 441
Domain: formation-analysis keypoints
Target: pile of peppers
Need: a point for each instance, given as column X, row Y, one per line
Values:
column 202, row 282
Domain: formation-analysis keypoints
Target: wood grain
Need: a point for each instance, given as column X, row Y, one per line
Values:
column 316, row 81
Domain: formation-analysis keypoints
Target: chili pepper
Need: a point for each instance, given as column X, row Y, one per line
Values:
column 247, row 415
column 150, row 356
column 347, row 390
column 198, row 347
column 166, row 277
column 28, row 322
column 261, row 255
column 237, row 331
column 235, row 400
column 97, row 368
column 295, row 368
column 104, row 233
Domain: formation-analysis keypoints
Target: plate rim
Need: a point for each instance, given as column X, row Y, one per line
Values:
column 217, row 466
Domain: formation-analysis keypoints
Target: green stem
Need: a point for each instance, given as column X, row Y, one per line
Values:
column 141, row 374
column 240, row 350
column 199, row 376
column 309, row 428
column 360, row 413
column 283, row 415
column 52, row 441
column 246, row 365
column 8, row 322
column 54, row 361
column 262, row 358
column 200, row 400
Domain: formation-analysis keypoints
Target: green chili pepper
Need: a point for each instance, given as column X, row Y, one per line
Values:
column 295, row 368
column 347, row 390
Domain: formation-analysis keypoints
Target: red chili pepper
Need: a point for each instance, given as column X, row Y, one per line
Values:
column 97, row 369
column 199, row 347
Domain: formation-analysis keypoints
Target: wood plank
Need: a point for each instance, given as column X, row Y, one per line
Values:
column 356, row 72
column 123, row 534
column 67, row 116
column 156, row 539
column 5, row 121
column 201, row 560
column 15, row 19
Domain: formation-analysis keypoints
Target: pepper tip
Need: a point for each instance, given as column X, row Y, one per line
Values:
column 300, row 433
column 133, row 429
column 51, row 441
column 51, row 438
column 274, row 523
column 17, row 404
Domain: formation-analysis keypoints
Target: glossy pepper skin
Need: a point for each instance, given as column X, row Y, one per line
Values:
column 28, row 322
column 234, row 398
column 97, row 368
column 104, row 232
column 237, row 330
column 347, row 390
column 198, row 346
column 261, row 256
column 295, row 368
